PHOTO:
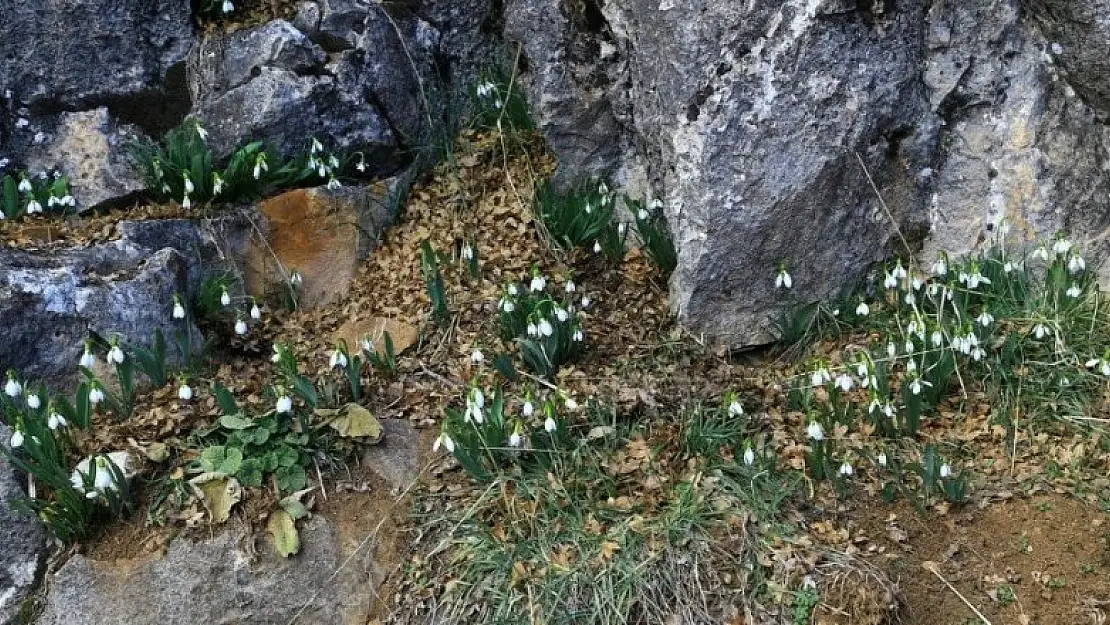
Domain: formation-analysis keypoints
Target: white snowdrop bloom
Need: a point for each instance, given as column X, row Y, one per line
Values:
column 588, row 209
column 882, row 459
column 945, row 471
column 25, row 185
column 361, row 164
column 571, row 404
column 217, row 184
column 228, row 6
column 1061, row 246
column 1041, row 253
column 225, row 298
column 975, row 279
column 899, row 272
column 1008, row 267
column 477, row 398
column 911, row 365
column 96, row 395
column 528, row 409
column 577, row 337
column 916, row 282
column 507, row 305
column 33, row 207
column 1040, row 331
column 1074, row 291
column 33, row 401
column 367, row 345
column 1105, row 368
column 597, row 247
column 571, row 287
column 940, row 267
column 561, row 314
column 783, row 280
column 333, row 183
column 861, row 369
column 815, row 431
column 88, row 359
column 184, row 392
column 891, row 349
column 186, row 203
column 916, row 385
column 863, row 309
column 240, row 326
column 189, row 188
column 538, row 284
column 656, row 203
column 178, row 309
column 889, row 281
column 874, row 405
column 622, row 228
column 845, row 382
column 820, row 377
column 985, row 319
column 909, row 298
column 445, row 441
column 545, row 327
column 533, row 331
column 16, row 440
column 1092, row 363
column 586, row 301
column 12, row 388
column 467, row 252
column 515, row 439
column 937, row 338
column 56, row 421
column 642, row 214
column 1076, row 263
column 978, row 353
column 846, row 469
column 889, row 410
column 338, row 359
column 735, row 409
column 256, row 312
column 908, row 346
column 116, row 355
column 296, row 279
column 165, row 189
column 276, row 356
column 513, row 290
column 477, row 356
column 550, row 426
column 284, row 404
column 749, row 456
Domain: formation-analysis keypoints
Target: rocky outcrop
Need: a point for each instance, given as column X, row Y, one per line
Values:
column 24, row 541
column 225, row 579
column 812, row 133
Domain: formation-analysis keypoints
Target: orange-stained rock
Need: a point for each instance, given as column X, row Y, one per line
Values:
column 320, row 233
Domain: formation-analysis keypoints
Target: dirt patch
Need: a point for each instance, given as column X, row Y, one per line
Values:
column 1042, row 560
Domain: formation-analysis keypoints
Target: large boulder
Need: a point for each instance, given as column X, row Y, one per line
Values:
column 824, row 135
column 225, row 579
column 24, row 541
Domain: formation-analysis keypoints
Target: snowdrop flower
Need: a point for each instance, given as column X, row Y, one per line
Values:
column 507, row 305
column 915, row 386
column 17, row 439
column 227, row 7
column 882, row 459
column 276, row 356
column 333, row 183
column 56, row 421
column 863, row 309
column 586, row 301
column 985, row 319
column 642, row 214
column 189, row 188
column 888, row 410
column 533, row 331
column 33, row 401
column 945, row 471
column 549, row 425
column 528, row 409
column 899, row 272
column 783, row 279
column 588, row 209
column 225, row 297
column 1040, row 330
column 940, row 266
column 33, row 207
column 561, row 314
column 537, row 284
column 571, row 287
column 1076, row 264
column 597, row 247
column 889, row 281
column 815, row 431
column 820, row 377
column 178, row 309
column 96, row 395
column 845, row 382
column 361, row 164
column 1041, row 253
column 1008, row 267
column 909, row 298
column 749, row 456
column 186, row 203
column 1102, row 364
column 12, row 388
column 295, row 278
column 974, row 279
column 571, row 404
column 1074, row 291
column 545, row 327
column 88, row 359
column 577, row 337
column 256, row 312
column 477, row 356
column 1061, row 246
column 467, row 252
column 184, row 392
column 116, row 355
column 891, row 349
column 315, row 146
column 515, row 439
column 978, row 353
column 338, row 359
column 240, row 326
column 284, row 403
column 444, row 440
column 846, row 469
column 217, row 183
column 735, row 409
column 104, row 479
column 937, row 338
column 24, row 185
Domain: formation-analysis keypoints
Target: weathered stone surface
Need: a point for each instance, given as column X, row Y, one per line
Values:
column 24, row 542
column 52, row 300
column 91, row 149
column 403, row 335
column 320, row 233
column 219, row 64
column 396, row 459
column 84, row 54
column 763, row 125
column 226, row 579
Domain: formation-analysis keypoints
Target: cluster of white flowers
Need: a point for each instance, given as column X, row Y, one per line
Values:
column 326, row 166
column 488, row 90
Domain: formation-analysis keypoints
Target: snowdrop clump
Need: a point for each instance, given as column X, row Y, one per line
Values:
column 545, row 323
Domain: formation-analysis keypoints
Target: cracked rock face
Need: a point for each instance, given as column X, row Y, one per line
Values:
column 24, row 542
column 772, row 129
